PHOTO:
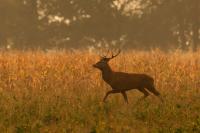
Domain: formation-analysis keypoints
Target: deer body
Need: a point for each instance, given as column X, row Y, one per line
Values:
column 127, row 81
column 121, row 82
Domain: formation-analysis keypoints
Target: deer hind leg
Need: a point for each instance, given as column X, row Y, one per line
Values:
column 146, row 94
column 155, row 92
column 125, row 96
column 110, row 92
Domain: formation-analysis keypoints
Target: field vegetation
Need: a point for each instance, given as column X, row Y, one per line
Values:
column 60, row 92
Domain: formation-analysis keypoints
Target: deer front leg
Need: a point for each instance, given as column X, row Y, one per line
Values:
column 125, row 96
column 109, row 92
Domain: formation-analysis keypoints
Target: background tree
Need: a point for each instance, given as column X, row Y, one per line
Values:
column 173, row 21
column 78, row 23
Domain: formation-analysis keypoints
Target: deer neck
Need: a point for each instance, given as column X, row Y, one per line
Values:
column 107, row 74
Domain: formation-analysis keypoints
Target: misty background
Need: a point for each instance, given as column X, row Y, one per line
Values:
column 138, row 24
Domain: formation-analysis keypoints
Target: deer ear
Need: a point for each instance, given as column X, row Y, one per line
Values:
column 107, row 59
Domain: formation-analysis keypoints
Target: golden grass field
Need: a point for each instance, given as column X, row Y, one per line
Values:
column 60, row 92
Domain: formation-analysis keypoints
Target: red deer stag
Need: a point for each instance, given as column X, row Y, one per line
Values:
column 121, row 82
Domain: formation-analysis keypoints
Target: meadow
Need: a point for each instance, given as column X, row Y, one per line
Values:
column 60, row 92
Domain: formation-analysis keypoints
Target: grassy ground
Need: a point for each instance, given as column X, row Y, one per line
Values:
column 61, row 93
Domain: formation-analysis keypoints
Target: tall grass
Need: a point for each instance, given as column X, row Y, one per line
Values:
column 60, row 92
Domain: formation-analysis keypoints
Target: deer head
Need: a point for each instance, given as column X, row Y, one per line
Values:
column 103, row 62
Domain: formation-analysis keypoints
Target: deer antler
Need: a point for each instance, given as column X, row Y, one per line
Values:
column 105, row 56
column 113, row 56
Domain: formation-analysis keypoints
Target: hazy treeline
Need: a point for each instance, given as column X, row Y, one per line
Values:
column 81, row 23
